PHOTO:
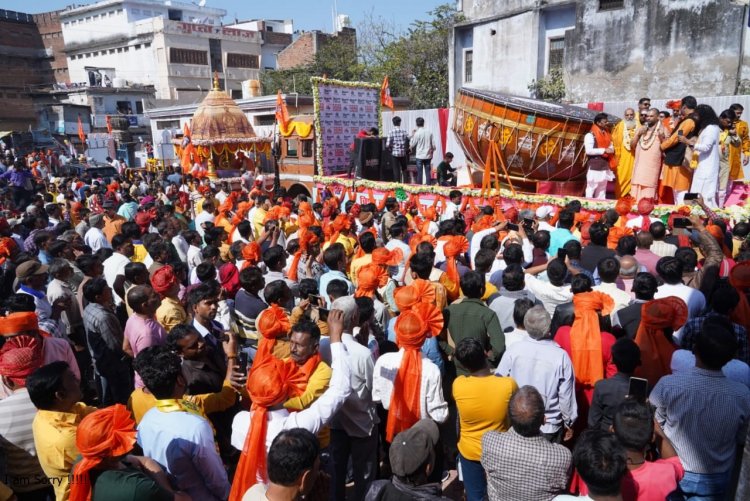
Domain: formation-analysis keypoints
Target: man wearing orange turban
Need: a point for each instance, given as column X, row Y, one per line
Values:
column 309, row 249
column 369, row 278
column 454, row 247
column 644, row 219
column 416, row 391
column 659, row 319
column 170, row 312
column 273, row 327
column 620, row 229
column 269, row 385
column 363, row 256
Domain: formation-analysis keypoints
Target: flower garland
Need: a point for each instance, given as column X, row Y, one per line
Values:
column 316, row 83
column 734, row 213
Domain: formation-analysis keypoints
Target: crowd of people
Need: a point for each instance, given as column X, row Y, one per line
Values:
column 171, row 338
column 667, row 154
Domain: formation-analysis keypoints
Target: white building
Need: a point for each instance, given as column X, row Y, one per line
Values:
column 174, row 46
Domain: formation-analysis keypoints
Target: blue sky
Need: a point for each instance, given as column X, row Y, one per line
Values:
column 307, row 14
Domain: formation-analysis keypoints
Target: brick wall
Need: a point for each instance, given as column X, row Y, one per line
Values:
column 299, row 53
column 50, row 30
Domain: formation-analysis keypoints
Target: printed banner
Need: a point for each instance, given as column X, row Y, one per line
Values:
column 342, row 109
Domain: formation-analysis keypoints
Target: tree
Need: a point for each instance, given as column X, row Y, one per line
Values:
column 549, row 88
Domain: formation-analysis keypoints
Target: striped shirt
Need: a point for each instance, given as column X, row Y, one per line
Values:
column 17, row 442
column 397, row 142
column 704, row 415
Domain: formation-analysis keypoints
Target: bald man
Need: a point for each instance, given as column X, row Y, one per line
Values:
column 629, row 266
column 518, row 464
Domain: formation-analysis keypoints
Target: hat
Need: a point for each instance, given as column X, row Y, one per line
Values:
column 412, row 447
column 96, row 219
column 30, row 268
column 544, row 211
column 364, row 217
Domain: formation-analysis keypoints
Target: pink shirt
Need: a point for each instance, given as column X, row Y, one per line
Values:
column 59, row 350
column 653, row 480
column 142, row 332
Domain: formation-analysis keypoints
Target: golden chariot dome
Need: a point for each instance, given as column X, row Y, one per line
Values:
column 218, row 120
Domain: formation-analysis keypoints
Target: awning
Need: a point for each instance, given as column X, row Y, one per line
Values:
column 4, row 133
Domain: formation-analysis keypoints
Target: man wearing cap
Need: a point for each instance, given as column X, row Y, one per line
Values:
column 412, row 456
column 112, row 221
column 170, row 312
column 19, row 357
column 95, row 237
column 32, row 277
column 543, row 216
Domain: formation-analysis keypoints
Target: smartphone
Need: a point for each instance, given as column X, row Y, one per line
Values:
column 511, row 227
column 680, row 133
column 314, row 298
column 690, row 196
column 562, row 254
column 681, row 222
column 242, row 361
column 528, row 222
column 638, row 388
column 323, row 313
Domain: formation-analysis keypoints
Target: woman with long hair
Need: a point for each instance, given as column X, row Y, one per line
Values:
column 706, row 175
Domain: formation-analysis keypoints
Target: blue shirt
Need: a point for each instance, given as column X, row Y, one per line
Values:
column 128, row 210
column 325, row 279
column 183, row 443
column 557, row 239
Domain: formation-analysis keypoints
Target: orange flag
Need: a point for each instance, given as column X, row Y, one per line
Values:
column 385, row 94
column 282, row 114
column 109, row 124
column 81, row 134
column 186, row 130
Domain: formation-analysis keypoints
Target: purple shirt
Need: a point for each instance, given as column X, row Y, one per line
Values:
column 648, row 259
column 142, row 332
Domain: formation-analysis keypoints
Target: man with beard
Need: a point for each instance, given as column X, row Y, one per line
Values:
column 647, row 165
column 600, row 157
column 622, row 137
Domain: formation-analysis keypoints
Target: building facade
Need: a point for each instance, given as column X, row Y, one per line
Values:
column 607, row 49
column 277, row 35
column 303, row 49
column 176, row 47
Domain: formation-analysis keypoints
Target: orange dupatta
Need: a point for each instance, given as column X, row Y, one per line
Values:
column 585, row 336
column 656, row 350
column 454, row 247
column 603, row 140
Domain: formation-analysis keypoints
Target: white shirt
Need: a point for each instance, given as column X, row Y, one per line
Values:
column 181, row 246
column 550, row 295
column 589, row 143
column 398, row 272
column 637, row 222
column 544, row 225
column 619, row 296
column 708, row 154
column 450, row 211
column 515, row 336
column 422, row 143
column 95, row 239
column 221, row 196
column 311, row 419
column 663, row 249
column 193, row 257
column 694, row 299
column 431, row 402
column 476, row 240
column 114, row 266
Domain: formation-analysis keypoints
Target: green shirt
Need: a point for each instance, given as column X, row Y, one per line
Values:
column 126, row 485
column 472, row 318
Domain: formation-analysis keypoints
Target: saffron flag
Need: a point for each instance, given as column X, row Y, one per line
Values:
column 186, row 130
column 282, row 114
column 109, row 124
column 385, row 94
column 81, row 134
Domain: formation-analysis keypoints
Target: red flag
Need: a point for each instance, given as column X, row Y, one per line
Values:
column 282, row 114
column 385, row 94
column 186, row 130
column 109, row 124
column 81, row 134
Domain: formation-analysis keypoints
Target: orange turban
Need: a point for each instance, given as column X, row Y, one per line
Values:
column 163, row 279
column 16, row 323
column 7, row 247
column 242, row 211
column 226, row 206
column 483, row 223
column 251, row 254
column 429, row 214
column 656, row 350
column 585, row 336
column 306, row 240
column 718, row 234
column 339, row 224
column 739, row 278
column 404, row 411
column 418, row 239
column 272, row 323
column 645, row 207
column 384, row 257
column 369, row 278
column 106, row 433
column 624, row 205
column 19, row 357
column 454, row 246
column 270, row 383
column 273, row 214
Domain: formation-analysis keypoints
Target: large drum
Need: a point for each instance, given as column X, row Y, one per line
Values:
column 541, row 143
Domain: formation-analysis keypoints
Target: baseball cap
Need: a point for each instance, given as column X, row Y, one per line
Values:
column 544, row 211
column 30, row 268
column 411, row 448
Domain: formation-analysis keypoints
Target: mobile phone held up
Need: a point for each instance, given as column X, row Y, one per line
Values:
column 681, row 222
column 242, row 362
column 511, row 227
column 562, row 254
column 638, row 389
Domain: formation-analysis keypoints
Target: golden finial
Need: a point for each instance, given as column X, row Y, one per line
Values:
column 216, row 80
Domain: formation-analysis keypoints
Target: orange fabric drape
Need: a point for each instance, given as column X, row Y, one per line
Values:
column 385, row 257
column 454, row 247
column 272, row 323
column 270, row 383
column 656, row 349
column 340, row 223
column 585, row 336
column 106, row 433
column 603, row 140
column 306, row 240
column 739, row 278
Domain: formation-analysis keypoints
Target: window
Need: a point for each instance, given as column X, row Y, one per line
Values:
column 174, row 15
column 468, row 65
column 236, row 94
column 137, row 46
column 269, row 28
column 147, row 45
column 291, row 147
column 139, row 107
column 188, row 56
column 611, row 4
column 242, row 61
column 265, row 119
column 556, row 55
column 307, row 148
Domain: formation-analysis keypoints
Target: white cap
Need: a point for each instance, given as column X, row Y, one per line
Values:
column 544, row 211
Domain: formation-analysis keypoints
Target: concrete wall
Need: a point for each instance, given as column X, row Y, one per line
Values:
column 689, row 46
